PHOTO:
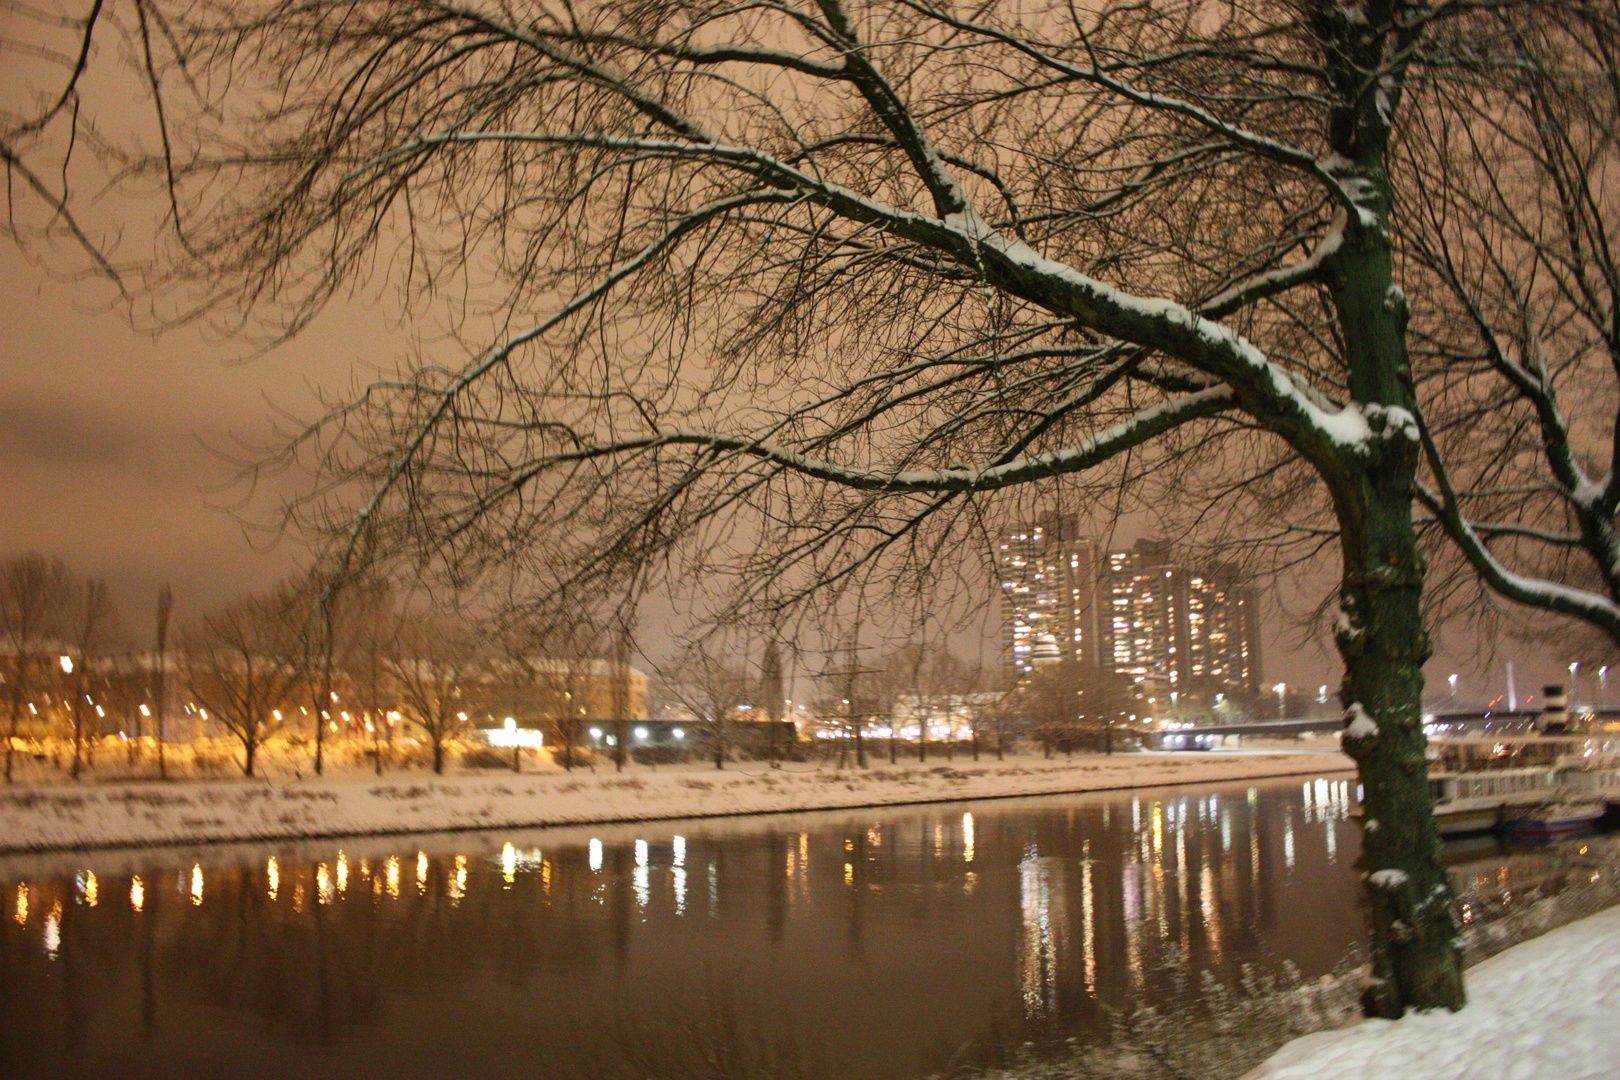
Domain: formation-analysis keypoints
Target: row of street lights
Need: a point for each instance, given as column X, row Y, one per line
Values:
column 1281, row 689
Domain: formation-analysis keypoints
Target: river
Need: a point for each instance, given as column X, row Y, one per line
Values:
column 863, row 945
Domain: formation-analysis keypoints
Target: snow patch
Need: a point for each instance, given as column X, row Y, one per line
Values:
column 1388, row 880
column 1392, row 421
column 1347, row 427
column 1357, row 724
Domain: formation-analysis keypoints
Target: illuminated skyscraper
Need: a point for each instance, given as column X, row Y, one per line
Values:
column 1140, row 612
column 1189, row 629
column 1049, row 608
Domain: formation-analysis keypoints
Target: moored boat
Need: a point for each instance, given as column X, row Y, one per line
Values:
column 1554, row 817
column 1536, row 785
column 1474, row 802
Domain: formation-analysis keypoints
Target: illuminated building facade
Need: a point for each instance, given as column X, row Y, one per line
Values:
column 1141, row 612
column 1188, row 628
column 1049, row 609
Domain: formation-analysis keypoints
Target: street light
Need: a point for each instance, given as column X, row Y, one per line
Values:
column 1452, row 679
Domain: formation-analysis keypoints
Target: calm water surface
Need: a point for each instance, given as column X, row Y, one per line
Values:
column 870, row 945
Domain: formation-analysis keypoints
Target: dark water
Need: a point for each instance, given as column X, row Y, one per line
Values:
column 858, row 945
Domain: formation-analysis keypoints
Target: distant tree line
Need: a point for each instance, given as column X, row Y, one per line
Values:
column 302, row 660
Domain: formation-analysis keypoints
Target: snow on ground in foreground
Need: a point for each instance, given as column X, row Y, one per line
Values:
column 1548, row 1009
column 126, row 814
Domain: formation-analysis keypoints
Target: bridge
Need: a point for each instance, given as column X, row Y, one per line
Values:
column 1453, row 722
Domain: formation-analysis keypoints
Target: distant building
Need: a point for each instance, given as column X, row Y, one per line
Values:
column 538, row 689
column 1142, row 612
column 1189, row 629
column 1049, row 610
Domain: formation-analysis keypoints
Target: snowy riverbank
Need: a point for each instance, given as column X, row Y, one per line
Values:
column 132, row 814
column 1543, row 1010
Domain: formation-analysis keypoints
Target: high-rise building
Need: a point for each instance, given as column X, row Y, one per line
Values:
column 1141, row 612
column 1146, row 630
column 1049, row 608
column 1223, row 617
column 1190, row 629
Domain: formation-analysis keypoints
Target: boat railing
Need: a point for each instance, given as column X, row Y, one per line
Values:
column 1492, row 783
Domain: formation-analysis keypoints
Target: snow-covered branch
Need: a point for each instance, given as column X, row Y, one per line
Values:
column 1139, row 430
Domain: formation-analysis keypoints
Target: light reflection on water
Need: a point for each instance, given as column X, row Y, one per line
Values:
column 924, row 928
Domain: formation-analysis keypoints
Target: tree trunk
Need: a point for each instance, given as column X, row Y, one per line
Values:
column 1380, row 634
column 1415, row 959
column 165, row 606
column 78, row 719
column 249, row 745
column 18, row 691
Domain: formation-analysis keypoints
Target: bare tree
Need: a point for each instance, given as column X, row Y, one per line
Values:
column 825, row 282
column 713, row 691
column 87, row 627
column 160, row 672
column 40, row 131
column 436, row 663
column 619, row 692
column 35, row 593
column 558, row 651
column 243, row 663
column 772, row 702
column 1067, row 704
column 363, row 622
column 929, row 684
column 1514, row 229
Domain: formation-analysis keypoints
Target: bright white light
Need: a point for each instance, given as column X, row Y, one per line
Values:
column 641, row 733
column 67, row 665
column 679, row 733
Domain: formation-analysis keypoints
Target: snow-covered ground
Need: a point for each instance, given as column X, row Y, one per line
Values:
column 1548, row 1009
column 140, row 813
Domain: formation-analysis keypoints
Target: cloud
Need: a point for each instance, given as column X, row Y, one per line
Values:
column 37, row 431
